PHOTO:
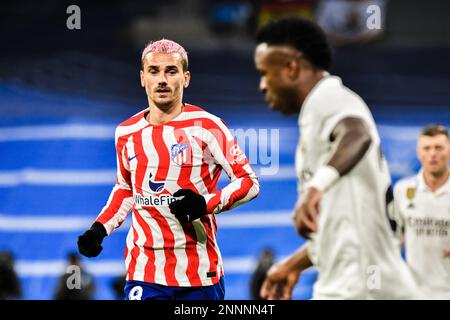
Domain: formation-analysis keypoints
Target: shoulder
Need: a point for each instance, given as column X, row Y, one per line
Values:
column 206, row 120
column 203, row 118
column 195, row 112
column 404, row 184
column 132, row 120
column 333, row 97
column 131, row 125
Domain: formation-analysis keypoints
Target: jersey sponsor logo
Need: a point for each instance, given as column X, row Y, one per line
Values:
column 237, row 154
column 429, row 226
column 235, row 151
column 154, row 201
column 178, row 153
column 156, row 187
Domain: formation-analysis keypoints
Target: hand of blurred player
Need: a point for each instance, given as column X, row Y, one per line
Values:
column 280, row 282
column 306, row 212
column 447, row 253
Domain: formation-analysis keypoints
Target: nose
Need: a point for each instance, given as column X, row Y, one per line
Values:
column 433, row 152
column 162, row 78
column 262, row 86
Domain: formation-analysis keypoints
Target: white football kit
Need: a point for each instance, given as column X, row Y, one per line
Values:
column 425, row 217
column 354, row 249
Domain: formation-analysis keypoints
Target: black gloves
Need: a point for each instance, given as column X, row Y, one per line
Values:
column 191, row 207
column 90, row 242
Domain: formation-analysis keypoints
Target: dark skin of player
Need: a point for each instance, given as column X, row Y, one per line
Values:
column 286, row 80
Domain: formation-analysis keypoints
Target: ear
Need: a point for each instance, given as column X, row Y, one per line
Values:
column 141, row 73
column 187, row 79
column 294, row 67
column 418, row 155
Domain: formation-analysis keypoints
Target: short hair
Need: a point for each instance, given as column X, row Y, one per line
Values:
column 165, row 46
column 301, row 34
column 434, row 130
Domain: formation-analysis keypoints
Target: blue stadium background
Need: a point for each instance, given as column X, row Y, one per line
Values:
column 58, row 110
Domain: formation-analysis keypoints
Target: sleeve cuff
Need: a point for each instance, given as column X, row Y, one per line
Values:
column 212, row 203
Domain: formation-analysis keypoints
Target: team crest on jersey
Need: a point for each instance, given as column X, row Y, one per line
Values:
column 410, row 193
column 155, row 186
column 179, row 153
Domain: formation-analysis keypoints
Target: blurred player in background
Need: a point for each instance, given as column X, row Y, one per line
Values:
column 344, row 182
column 265, row 261
column 169, row 159
column 422, row 208
column 10, row 287
column 87, row 285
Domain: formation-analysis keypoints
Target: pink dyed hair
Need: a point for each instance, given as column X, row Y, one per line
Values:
column 166, row 46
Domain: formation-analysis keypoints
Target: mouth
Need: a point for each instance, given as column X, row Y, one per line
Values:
column 270, row 102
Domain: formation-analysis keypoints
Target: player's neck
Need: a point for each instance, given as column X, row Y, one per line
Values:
column 157, row 116
column 315, row 77
column 435, row 181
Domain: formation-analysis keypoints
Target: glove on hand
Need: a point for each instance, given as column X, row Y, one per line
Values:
column 90, row 242
column 190, row 208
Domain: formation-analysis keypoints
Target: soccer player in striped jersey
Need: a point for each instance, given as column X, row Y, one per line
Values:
column 169, row 159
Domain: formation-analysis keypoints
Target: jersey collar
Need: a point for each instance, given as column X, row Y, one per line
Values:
column 422, row 186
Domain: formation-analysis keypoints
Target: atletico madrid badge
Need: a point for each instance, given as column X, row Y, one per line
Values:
column 179, row 153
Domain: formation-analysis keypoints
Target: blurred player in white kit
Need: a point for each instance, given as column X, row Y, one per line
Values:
column 344, row 181
column 422, row 210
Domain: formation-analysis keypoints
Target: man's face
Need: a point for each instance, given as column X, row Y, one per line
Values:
column 279, row 82
column 163, row 79
column 434, row 154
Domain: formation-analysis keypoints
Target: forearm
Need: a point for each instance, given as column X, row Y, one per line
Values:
column 237, row 192
column 116, row 209
column 299, row 260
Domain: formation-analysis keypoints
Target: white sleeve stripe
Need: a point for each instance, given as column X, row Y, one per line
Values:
column 218, row 154
column 229, row 190
column 118, row 217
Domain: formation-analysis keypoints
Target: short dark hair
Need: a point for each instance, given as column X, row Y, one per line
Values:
column 434, row 130
column 301, row 34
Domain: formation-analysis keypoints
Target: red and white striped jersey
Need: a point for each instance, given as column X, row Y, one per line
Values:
column 153, row 162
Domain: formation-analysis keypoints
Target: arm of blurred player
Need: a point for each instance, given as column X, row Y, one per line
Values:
column 283, row 276
column 447, row 253
column 353, row 140
column 398, row 217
